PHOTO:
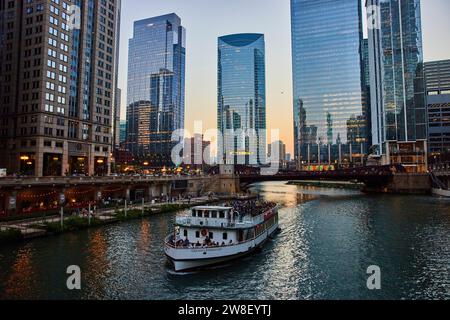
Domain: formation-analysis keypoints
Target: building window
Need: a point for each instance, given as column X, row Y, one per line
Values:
column 225, row 236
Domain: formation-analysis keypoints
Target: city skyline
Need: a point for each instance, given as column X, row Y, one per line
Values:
column 253, row 150
column 201, row 60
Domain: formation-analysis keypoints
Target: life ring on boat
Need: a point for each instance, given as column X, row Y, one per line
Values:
column 204, row 232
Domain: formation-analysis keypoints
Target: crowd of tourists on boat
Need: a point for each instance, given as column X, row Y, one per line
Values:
column 252, row 207
column 207, row 243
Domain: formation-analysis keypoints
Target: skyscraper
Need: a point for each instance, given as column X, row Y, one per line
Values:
column 330, row 110
column 242, row 98
column 156, row 85
column 118, row 94
column 437, row 75
column 399, row 125
column 57, row 91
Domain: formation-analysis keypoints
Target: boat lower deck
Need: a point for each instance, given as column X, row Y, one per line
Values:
column 197, row 258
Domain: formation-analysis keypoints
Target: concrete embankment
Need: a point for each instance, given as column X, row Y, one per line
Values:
column 400, row 183
column 403, row 183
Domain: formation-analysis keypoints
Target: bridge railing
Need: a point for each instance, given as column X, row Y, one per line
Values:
column 352, row 172
column 75, row 180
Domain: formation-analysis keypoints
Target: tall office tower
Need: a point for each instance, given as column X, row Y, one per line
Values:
column 330, row 110
column 437, row 76
column 156, row 81
column 242, row 99
column 57, row 92
column 118, row 91
column 399, row 125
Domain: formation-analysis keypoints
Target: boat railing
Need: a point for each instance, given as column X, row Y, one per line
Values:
column 193, row 246
column 210, row 222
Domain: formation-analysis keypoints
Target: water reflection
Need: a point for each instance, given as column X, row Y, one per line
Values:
column 329, row 238
column 97, row 259
column 19, row 281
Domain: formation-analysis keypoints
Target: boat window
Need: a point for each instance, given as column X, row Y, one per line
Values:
column 185, row 233
column 222, row 214
column 211, row 235
column 214, row 214
column 225, row 236
column 197, row 234
column 194, row 213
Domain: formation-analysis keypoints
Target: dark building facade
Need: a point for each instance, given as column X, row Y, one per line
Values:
column 57, row 90
column 437, row 76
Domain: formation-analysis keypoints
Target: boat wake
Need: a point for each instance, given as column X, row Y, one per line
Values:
column 175, row 273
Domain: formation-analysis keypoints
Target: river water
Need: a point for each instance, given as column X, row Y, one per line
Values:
column 329, row 238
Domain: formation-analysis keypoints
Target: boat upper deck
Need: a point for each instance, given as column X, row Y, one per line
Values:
column 236, row 215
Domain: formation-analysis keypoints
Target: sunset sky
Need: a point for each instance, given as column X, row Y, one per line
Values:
column 205, row 20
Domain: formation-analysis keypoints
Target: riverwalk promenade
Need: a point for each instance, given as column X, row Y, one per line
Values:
column 37, row 227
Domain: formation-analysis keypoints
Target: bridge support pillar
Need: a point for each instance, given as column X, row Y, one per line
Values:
column 152, row 192
column 166, row 189
column 99, row 194
column 402, row 183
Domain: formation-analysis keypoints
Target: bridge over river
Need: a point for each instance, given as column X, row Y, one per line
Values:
column 26, row 196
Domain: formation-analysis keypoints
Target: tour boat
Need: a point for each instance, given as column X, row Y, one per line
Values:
column 212, row 235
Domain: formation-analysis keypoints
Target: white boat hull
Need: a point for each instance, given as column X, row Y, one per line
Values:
column 441, row 193
column 195, row 258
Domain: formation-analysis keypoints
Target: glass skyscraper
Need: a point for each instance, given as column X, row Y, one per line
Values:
column 330, row 112
column 399, row 126
column 156, row 86
column 242, row 98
